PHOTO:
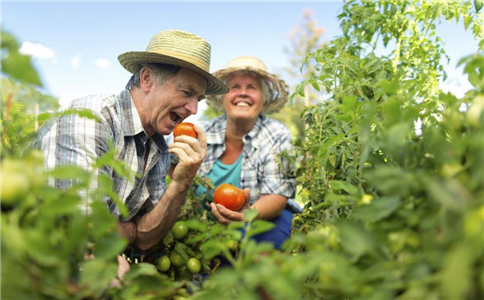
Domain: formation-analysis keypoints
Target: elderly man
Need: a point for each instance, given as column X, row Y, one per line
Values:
column 169, row 80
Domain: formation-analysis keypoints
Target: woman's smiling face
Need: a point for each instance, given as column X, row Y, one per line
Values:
column 245, row 98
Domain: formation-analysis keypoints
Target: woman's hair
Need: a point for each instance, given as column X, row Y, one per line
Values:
column 266, row 93
column 162, row 73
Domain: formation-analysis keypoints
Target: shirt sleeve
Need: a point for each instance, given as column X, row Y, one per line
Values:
column 80, row 141
column 279, row 173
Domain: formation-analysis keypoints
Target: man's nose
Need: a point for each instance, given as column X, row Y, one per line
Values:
column 192, row 106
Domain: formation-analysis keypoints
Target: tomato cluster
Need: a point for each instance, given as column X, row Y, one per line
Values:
column 180, row 260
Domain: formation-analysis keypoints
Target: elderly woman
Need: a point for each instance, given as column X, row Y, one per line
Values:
column 243, row 146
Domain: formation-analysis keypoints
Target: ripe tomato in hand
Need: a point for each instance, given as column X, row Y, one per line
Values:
column 229, row 196
column 185, row 129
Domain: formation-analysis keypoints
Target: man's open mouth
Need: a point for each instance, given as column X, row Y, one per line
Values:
column 175, row 118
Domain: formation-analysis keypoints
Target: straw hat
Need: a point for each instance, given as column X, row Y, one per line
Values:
column 277, row 87
column 178, row 48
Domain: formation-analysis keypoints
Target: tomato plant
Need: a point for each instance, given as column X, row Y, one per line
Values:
column 185, row 128
column 229, row 196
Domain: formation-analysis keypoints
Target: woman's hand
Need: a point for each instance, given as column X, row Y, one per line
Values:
column 225, row 215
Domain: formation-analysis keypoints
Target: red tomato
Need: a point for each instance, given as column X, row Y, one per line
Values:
column 229, row 196
column 185, row 129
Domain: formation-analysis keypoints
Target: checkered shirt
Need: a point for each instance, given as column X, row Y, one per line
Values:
column 260, row 169
column 75, row 140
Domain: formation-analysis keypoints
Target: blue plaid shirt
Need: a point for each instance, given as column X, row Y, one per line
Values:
column 261, row 171
column 75, row 140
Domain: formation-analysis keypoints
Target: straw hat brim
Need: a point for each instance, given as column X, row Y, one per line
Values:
column 132, row 60
column 278, row 88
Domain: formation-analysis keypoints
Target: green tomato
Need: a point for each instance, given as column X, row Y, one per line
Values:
column 194, row 265
column 164, row 263
column 176, row 259
column 180, row 230
column 14, row 183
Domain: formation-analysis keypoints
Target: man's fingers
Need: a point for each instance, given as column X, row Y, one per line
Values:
column 188, row 140
column 190, row 151
column 201, row 137
column 182, row 155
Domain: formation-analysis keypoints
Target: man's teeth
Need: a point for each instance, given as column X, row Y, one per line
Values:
column 242, row 104
column 175, row 118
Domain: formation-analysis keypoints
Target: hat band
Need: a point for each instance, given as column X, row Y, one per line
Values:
column 193, row 60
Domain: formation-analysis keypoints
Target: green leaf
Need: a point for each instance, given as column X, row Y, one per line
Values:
column 338, row 185
column 377, row 209
column 450, row 194
column 86, row 113
column 70, row 172
column 61, row 206
column 38, row 248
column 96, row 275
column 457, row 277
column 390, row 87
column 235, row 225
column 140, row 270
column 109, row 246
column 181, row 249
column 259, row 226
column 100, row 218
column 212, row 248
column 467, row 21
column 355, row 239
column 478, row 4
column 250, row 214
column 18, row 66
column 315, row 86
column 196, row 225
column 217, row 228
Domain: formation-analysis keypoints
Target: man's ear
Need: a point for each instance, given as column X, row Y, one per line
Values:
column 146, row 78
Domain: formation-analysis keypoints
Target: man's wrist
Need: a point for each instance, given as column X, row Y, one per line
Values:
column 181, row 185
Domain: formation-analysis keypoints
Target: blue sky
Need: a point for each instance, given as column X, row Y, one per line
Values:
column 76, row 44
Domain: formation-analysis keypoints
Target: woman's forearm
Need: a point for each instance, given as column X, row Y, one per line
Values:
column 270, row 206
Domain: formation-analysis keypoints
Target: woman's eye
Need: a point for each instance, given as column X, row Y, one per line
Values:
column 187, row 93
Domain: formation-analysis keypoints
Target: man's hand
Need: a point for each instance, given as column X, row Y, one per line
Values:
column 156, row 223
column 225, row 215
column 191, row 152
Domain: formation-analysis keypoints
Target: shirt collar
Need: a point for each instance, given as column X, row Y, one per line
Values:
column 220, row 127
column 132, row 122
